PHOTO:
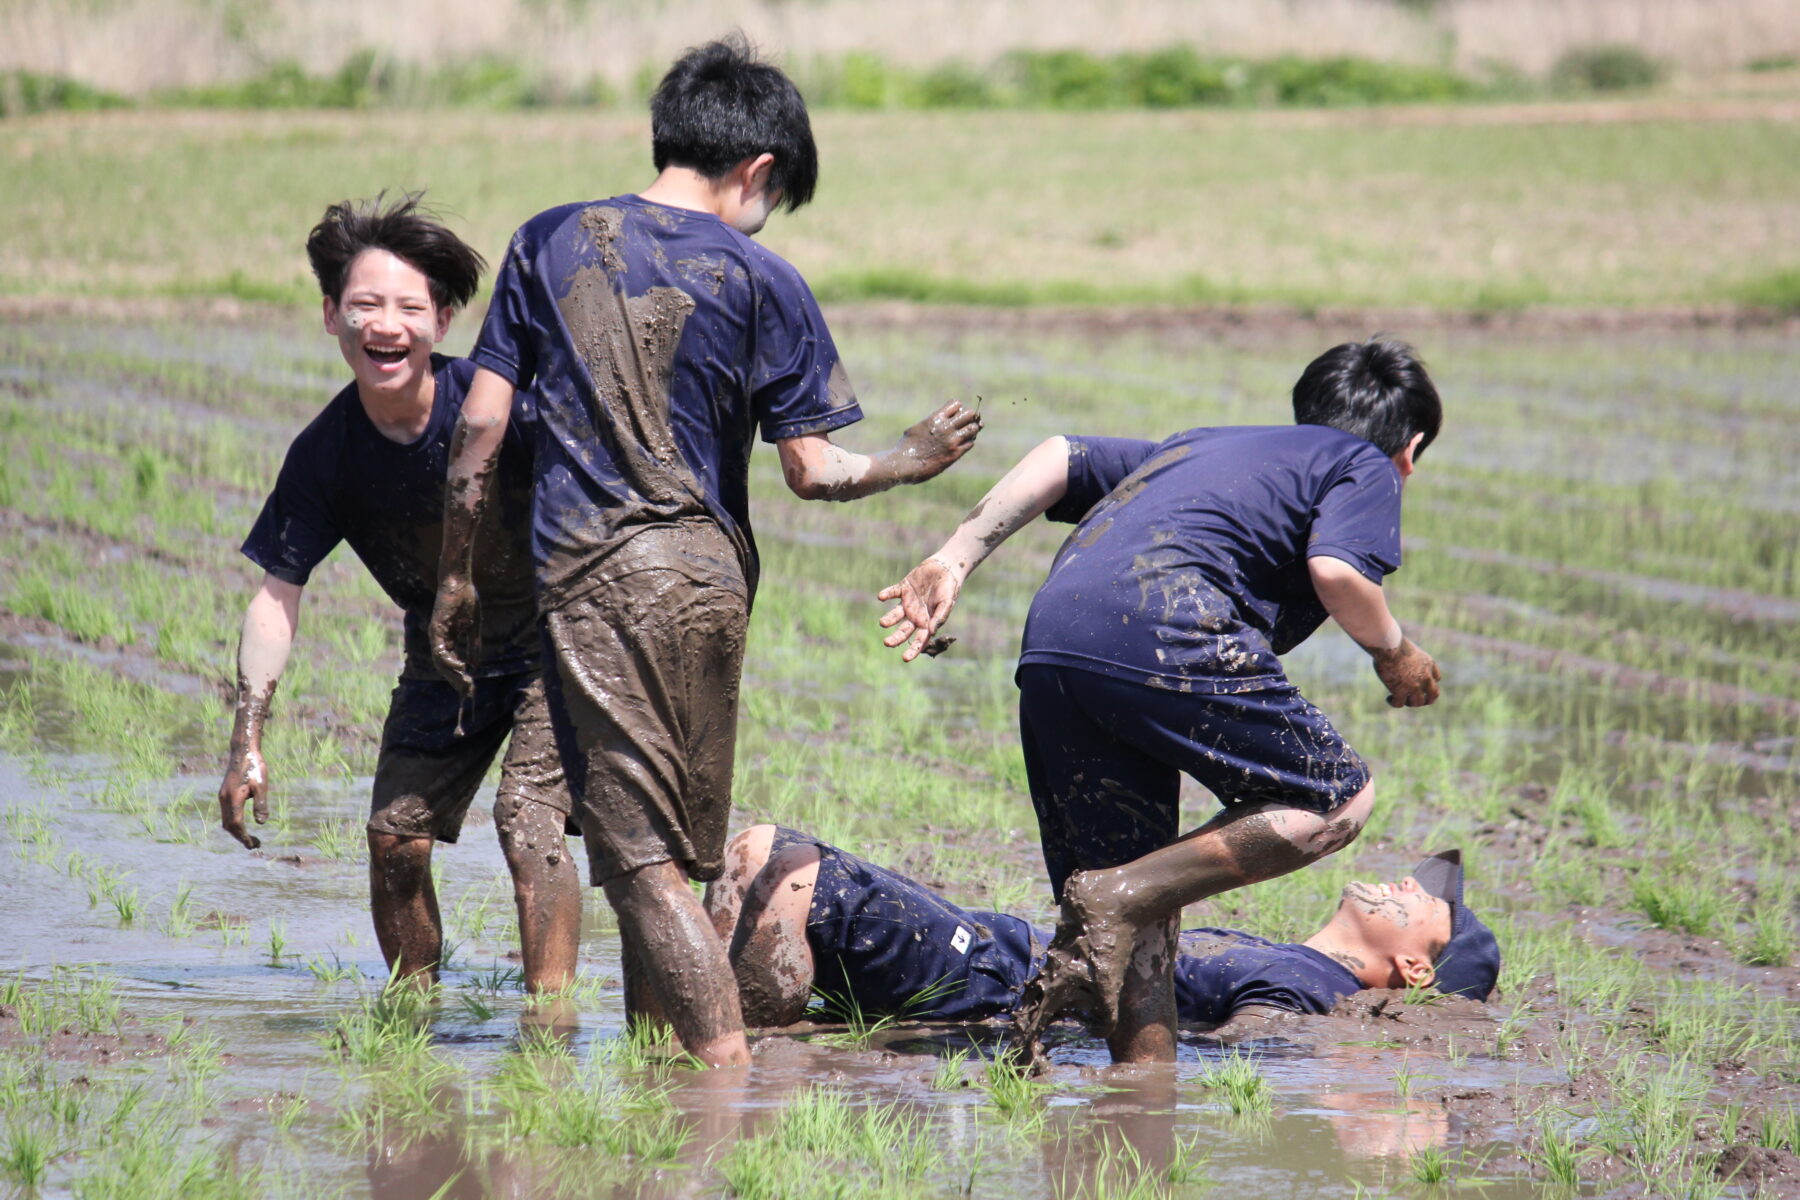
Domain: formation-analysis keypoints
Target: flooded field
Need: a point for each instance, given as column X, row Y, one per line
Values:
column 1601, row 551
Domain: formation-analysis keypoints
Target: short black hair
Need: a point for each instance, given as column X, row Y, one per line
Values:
column 406, row 229
column 719, row 104
column 1377, row 390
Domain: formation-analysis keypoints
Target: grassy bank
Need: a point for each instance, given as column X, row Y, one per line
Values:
column 1589, row 205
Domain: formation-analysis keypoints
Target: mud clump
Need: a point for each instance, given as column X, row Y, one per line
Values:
column 1761, row 1170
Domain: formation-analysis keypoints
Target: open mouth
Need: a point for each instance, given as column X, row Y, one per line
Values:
column 387, row 356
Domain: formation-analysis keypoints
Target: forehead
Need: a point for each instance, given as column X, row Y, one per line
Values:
column 377, row 270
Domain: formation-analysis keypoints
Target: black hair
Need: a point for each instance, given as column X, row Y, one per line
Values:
column 405, row 229
column 1377, row 390
column 719, row 105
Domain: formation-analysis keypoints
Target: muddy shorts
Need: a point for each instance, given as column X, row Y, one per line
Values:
column 892, row 945
column 428, row 773
column 643, row 684
column 1104, row 759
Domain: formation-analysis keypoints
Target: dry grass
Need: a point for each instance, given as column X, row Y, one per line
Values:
column 134, row 46
column 1363, row 209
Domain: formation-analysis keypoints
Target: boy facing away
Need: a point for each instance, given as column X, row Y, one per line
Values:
column 369, row 470
column 805, row 918
column 659, row 339
column 1151, row 651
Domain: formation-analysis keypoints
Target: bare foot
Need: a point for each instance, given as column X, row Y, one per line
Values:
column 1083, row 968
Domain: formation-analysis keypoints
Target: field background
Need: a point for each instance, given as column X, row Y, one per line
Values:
column 1601, row 550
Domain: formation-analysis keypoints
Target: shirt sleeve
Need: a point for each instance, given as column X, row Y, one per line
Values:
column 507, row 345
column 1358, row 518
column 1097, row 465
column 797, row 381
column 297, row 527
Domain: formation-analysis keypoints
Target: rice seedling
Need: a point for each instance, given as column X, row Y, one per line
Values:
column 180, row 921
column 338, row 840
column 1779, row 1129
column 276, row 944
column 389, row 1026
column 861, row 1027
column 1770, row 940
column 1677, row 898
column 1560, row 1152
column 26, row 1153
column 1189, row 1165
column 1013, row 1089
column 1430, row 1165
column 951, row 1072
column 335, row 971
column 1235, row 1078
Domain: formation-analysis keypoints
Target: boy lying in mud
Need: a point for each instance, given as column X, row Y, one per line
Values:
column 660, row 338
column 370, row 470
column 803, row 917
column 1150, row 651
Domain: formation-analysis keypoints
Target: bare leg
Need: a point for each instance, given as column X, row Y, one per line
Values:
column 404, row 904
column 1145, row 1031
column 684, row 962
column 769, row 952
column 1103, row 911
column 745, row 855
column 546, row 890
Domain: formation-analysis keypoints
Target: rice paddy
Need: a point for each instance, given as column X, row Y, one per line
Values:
column 1601, row 552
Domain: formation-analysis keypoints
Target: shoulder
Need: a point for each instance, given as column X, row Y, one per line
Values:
column 454, row 375
column 535, row 233
column 767, row 267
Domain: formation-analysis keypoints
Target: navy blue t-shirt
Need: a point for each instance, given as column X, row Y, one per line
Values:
column 1218, row 971
column 1187, row 569
column 659, row 340
column 343, row 480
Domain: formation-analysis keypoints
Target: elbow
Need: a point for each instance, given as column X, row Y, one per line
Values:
column 807, row 486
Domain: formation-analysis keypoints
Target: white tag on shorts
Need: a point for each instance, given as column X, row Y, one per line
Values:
column 960, row 940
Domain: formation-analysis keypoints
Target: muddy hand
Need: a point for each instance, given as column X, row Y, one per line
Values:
column 940, row 439
column 1410, row 674
column 246, row 778
column 925, row 596
column 456, row 632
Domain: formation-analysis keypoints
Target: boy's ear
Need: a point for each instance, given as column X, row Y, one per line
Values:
column 331, row 316
column 445, row 314
column 756, row 173
column 1403, row 460
column 1417, row 972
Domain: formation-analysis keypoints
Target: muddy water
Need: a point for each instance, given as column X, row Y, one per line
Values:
column 1336, row 1113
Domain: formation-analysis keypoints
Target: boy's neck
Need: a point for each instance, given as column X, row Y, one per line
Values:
column 1346, row 950
column 682, row 187
column 404, row 416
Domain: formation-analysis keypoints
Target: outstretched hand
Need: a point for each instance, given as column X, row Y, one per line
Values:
column 246, row 780
column 925, row 596
column 939, row 440
column 1411, row 675
column 455, row 632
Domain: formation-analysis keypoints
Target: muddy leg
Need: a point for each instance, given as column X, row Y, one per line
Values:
column 769, row 952
column 683, row 963
column 546, row 891
column 745, row 856
column 1102, row 911
column 1145, row 1031
column 404, row 904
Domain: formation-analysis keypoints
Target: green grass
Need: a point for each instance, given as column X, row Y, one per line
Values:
column 1234, row 207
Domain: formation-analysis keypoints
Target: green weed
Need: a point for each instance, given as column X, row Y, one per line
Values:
column 1013, row 1089
column 1238, row 1082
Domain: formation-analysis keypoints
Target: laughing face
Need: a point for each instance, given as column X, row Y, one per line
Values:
column 1400, row 918
column 386, row 324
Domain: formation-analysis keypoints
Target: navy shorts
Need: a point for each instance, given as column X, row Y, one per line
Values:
column 892, row 945
column 1104, row 759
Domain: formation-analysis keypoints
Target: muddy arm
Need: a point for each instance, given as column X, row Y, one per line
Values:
column 816, row 468
column 269, row 627
column 929, row 591
column 1357, row 604
column 456, row 616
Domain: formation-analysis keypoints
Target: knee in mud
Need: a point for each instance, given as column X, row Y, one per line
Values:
column 526, row 825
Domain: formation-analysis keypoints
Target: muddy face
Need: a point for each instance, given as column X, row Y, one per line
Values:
column 386, row 324
column 1400, row 916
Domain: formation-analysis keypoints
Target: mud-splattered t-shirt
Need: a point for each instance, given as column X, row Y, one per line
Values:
column 1218, row 971
column 1187, row 568
column 659, row 342
column 344, row 481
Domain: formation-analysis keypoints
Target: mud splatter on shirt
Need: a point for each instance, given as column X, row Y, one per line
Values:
column 659, row 342
column 1187, row 567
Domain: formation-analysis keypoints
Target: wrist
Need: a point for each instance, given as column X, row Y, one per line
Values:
column 1389, row 645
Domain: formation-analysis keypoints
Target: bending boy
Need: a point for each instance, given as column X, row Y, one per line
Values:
column 660, row 338
column 805, row 918
column 1151, row 650
column 370, row 470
